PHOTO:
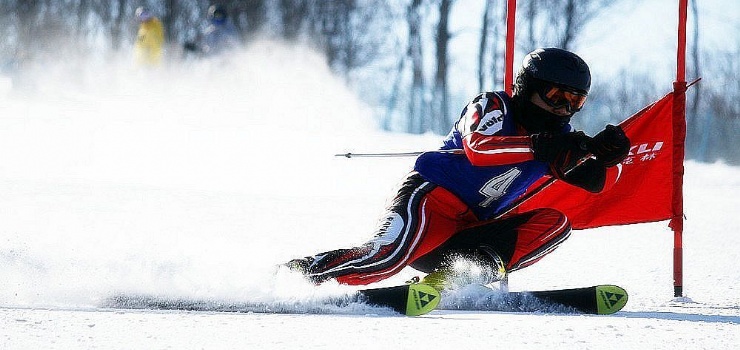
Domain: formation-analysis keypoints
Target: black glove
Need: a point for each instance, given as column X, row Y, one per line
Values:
column 561, row 151
column 549, row 147
column 589, row 176
column 610, row 146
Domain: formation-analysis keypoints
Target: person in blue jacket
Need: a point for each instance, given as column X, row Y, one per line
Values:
column 455, row 202
column 220, row 35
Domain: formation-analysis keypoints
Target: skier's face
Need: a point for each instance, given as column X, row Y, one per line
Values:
column 539, row 102
column 536, row 116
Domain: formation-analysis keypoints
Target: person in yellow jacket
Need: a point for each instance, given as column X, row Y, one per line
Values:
column 149, row 39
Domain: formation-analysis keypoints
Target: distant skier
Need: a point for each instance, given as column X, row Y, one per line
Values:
column 219, row 36
column 448, row 207
column 149, row 38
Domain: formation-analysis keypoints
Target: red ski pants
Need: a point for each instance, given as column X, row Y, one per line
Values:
column 425, row 222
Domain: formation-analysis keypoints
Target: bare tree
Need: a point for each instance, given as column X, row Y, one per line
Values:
column 417, row 103
column 293, row 14
column 714, row 136
column 530, row 12
column 114, row 17
column 249, row 16
column 557, row 23
column 488, row 50
column 440, row 110
column 483, row 46
column 694, row 94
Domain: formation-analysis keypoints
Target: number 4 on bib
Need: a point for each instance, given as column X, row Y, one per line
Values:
column 496, row 187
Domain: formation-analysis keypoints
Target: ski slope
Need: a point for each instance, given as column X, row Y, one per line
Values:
column 197, row 180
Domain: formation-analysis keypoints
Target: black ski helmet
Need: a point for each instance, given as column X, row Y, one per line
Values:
column 217, row 13
column 555, row 66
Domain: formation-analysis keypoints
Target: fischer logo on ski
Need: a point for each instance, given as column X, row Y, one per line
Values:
column 611, row 299
column 423, row 299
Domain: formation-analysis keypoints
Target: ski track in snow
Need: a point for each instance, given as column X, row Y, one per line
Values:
column 197, row 185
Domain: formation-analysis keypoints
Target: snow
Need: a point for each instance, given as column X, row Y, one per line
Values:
column 115, row 180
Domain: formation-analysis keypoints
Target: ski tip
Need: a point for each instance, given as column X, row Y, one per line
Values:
column 421, row 299
column 610, row 299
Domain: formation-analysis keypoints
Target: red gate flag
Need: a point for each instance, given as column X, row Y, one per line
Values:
column 644, row 190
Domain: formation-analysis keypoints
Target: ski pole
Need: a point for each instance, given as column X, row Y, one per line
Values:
column 397, row 154
column 527, row 196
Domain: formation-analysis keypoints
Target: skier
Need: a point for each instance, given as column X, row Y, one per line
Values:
column 149, row 38
column 220, row 35
column 448, row 208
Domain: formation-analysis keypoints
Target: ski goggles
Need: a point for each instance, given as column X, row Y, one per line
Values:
column 559, row 96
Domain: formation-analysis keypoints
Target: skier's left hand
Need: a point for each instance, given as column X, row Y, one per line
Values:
column 610, row 146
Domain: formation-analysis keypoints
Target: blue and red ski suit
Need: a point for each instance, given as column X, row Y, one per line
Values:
column 453, row 200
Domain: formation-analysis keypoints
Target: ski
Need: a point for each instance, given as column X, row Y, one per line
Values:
column 595, row 300
column 409, row 299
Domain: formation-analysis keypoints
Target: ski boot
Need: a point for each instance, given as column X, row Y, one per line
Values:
column 483, row 268
column 304, row 267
